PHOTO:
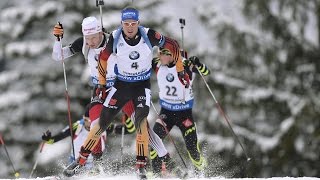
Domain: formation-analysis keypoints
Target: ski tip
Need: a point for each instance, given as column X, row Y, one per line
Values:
column 248, row 159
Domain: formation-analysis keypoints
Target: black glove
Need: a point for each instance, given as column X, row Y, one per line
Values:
column 195, row 61
column 110, row 129
column 187, row 63
column 58, row 31
column 118, row 129
column 184, row 79
column 47, row 137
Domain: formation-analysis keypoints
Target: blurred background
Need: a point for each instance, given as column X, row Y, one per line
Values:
column 264, row 61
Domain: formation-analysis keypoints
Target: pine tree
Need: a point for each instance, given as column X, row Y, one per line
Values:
column 266, row 76
column 32, row 84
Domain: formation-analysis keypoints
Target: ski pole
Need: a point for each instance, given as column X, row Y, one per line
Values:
column 182, row 24
column 66, row 92
column 122, row 139
column 36, row 163
column 223, row 113
column 100, row 3
column 167, row 132
column 16, row 173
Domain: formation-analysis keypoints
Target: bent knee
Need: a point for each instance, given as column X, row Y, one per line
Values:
column 141, row 115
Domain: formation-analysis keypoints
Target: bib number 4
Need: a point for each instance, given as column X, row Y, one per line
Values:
column 134, row 65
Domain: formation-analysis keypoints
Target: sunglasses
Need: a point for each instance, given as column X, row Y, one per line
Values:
column 127, row 24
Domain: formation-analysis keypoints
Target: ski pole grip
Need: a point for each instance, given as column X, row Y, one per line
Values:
column 60, row 37
column 182, row 22
column 99, row 3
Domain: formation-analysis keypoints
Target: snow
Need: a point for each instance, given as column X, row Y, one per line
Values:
column 101, row 177
column 15, row 97
column 228, row 143
column 32, row 48
column 255, row 94
column 37, row 93
column 222, row 78
column 7, row 77
column 49, row 151
column 266, row 143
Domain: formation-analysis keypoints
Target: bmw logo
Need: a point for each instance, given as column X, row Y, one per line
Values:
column 170, row 77
column 134, row 55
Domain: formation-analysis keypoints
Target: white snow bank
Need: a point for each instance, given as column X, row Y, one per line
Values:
column 214, row 178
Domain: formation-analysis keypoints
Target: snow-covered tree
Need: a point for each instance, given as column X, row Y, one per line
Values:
column 265, row 73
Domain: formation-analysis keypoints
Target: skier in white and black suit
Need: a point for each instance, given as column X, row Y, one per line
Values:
column 92, row 42
column 80, row 130
column 90, row 45
column 176, row 103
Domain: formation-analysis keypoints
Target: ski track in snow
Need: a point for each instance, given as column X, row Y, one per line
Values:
column 100, row 177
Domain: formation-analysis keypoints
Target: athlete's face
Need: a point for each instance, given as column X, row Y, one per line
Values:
column 87, row 122
column 130, row 27
column 165, row 59
column 94, row 40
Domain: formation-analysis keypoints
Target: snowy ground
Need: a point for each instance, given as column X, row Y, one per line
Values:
column 215, row 178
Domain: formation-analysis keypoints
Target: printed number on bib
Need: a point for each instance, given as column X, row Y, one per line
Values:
column 134, row 65
column 171, row 91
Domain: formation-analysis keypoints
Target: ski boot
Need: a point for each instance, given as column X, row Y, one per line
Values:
column 200, row 167
column 156, row 166
column 97, row 164
column 76, row 166
column 73, row 168
column 173, row 168
column 141, row 167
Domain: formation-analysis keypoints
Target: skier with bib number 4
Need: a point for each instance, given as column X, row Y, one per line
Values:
column 90, row 44
column 131, row 45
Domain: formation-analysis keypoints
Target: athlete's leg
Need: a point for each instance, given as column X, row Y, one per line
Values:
column 189, row 133
column 94, row 114
column 154, row 141
column 162, row 127
column 128, row 110
column 111, row 107
column 142, row 103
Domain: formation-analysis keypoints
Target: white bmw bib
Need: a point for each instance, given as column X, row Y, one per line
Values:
column 133, row 62
column 173, row 95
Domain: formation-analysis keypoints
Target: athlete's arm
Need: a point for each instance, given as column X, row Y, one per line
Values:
column 68, row 51
column 193, row 63
column 65, row 132
column 157, row 39
column 102, row 63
